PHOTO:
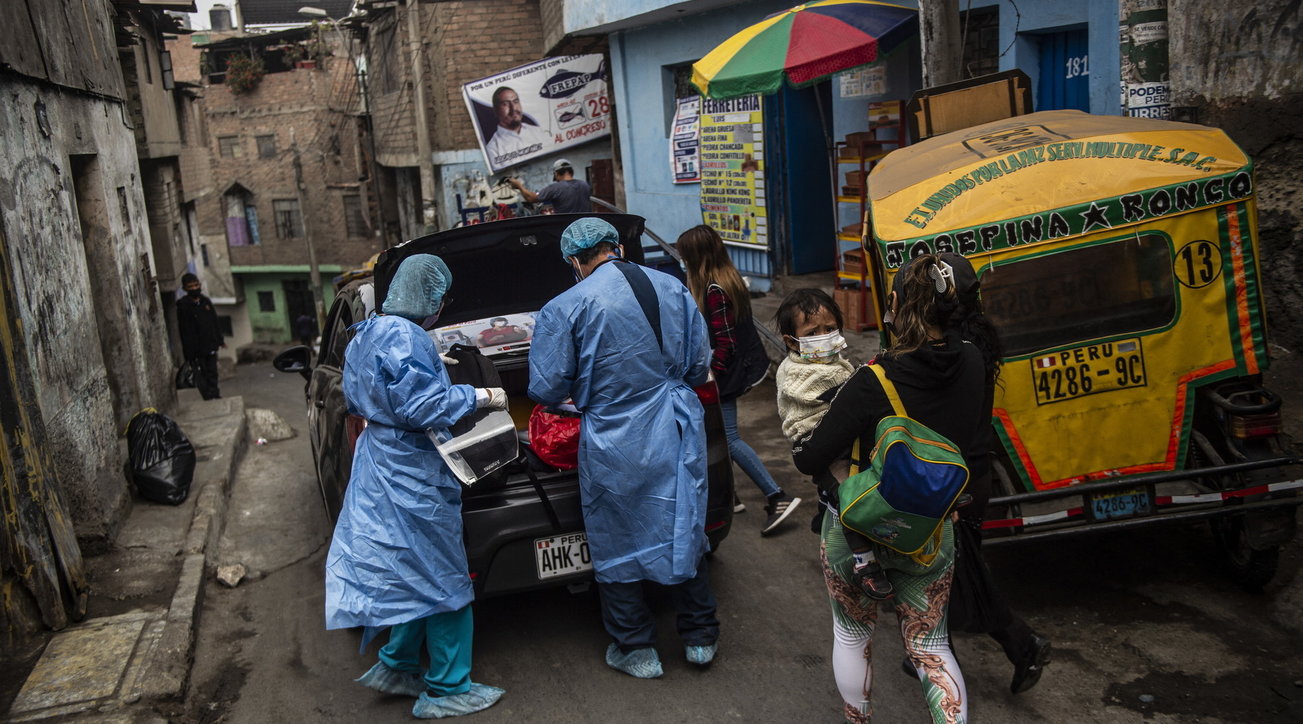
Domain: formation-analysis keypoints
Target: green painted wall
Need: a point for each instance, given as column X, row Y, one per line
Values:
column 273, row 326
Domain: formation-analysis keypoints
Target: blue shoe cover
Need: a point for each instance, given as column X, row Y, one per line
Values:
column 486, row 691
column 702, row 655
column 639, row 663
column 392, row 681
column 479, row 698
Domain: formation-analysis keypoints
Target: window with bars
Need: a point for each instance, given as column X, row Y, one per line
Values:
column 354, row 219
column 981, row 29
column 289, row 222
column 266, row 146
column 230, row 147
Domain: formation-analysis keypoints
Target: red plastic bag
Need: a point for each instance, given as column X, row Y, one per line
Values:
column 554, row 437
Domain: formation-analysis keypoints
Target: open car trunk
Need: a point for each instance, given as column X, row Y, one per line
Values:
column 503, row 273
column 507, row 267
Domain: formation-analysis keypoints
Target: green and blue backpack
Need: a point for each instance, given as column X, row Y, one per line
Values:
column 913, row 478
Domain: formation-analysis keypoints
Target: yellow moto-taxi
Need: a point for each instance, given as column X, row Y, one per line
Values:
column 1118, row 257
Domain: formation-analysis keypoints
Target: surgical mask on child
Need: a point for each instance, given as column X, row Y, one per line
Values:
column 822, row 347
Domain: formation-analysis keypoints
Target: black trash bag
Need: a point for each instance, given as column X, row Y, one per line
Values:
column 161, row 459
column 976, row 605
column 185, row 376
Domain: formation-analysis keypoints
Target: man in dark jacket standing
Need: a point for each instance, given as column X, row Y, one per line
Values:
column 200, row 335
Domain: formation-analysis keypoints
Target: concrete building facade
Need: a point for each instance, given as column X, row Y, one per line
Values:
column 85, row 341
column 1238, row 68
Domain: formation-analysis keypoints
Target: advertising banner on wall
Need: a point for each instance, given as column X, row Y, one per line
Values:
column 538, row 109
column 733, row 170
column 685, row 159
column 1146, row 92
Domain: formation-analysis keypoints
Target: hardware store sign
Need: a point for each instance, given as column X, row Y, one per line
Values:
column 733, row 170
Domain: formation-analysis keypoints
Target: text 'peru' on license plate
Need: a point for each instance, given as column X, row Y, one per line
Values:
column 562, row 555
column 1088, row 370
column 1118, row 504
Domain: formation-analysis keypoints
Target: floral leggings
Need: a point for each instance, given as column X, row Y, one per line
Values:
column 922, row 600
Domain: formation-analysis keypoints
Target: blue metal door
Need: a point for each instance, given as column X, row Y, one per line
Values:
column 805, row 187
column 1064, row 72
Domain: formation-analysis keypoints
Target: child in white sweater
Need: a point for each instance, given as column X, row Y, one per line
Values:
column 807, row 380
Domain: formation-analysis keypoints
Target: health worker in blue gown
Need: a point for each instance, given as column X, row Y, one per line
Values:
column 642, row 445
column 397, row 559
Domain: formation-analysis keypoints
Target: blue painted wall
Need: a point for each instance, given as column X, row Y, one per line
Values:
column 1020, row 26
column 456, row 170
column 644, row 91
column 643, row 87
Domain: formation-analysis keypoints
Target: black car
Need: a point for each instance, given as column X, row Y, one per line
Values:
column 524, row 528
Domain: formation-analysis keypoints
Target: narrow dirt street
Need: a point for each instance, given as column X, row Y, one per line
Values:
column 1144, row 625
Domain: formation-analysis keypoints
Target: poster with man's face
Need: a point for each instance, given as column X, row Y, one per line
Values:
column 538, row 109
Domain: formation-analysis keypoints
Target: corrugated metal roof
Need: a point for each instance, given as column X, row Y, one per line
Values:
column 283, row 12
column 228, row 41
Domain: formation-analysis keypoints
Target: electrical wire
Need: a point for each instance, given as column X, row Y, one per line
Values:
column 1017, row 23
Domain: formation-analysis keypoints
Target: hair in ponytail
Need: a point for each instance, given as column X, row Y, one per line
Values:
column 968, row 318
column 919, row 306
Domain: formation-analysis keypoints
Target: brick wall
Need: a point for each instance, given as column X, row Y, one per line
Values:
column 552, row 13
column 476, row 39
column 303, row 109
column 389, row 84
column 185, row 59
column 462, row 41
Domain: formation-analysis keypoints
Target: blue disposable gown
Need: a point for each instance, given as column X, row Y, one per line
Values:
column 397, row 554
column 642, row 449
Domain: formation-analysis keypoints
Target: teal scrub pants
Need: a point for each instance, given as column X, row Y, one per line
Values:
column 447, row 638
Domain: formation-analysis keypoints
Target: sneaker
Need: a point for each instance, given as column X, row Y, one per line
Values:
column 874, row 582
column 738, row 505
column 780, row 506
column 1026, row 675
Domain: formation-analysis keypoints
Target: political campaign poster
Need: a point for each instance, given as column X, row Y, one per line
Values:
column 538, row 109
column 733, row 170
column 1146, row 91
column 685, row 159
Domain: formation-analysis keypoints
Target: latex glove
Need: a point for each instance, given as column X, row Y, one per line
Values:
column 448, row 360
column 491, row 398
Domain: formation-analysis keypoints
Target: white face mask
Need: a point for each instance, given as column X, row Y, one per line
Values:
column 821, row 348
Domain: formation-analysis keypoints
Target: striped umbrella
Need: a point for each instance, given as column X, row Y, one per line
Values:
column 803, row 45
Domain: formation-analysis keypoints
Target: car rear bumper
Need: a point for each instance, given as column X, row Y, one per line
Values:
column 503, row 523
column 1174, row 496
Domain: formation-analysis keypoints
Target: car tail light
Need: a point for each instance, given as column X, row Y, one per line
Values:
column 354, row 425
column 708, row 392
column 1248, row 427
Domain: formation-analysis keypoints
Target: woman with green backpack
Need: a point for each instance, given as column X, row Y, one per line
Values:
column 936, row 379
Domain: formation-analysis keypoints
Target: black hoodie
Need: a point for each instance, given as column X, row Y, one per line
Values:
column 941, row 385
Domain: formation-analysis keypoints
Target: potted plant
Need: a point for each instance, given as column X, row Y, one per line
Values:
column 244, row 73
